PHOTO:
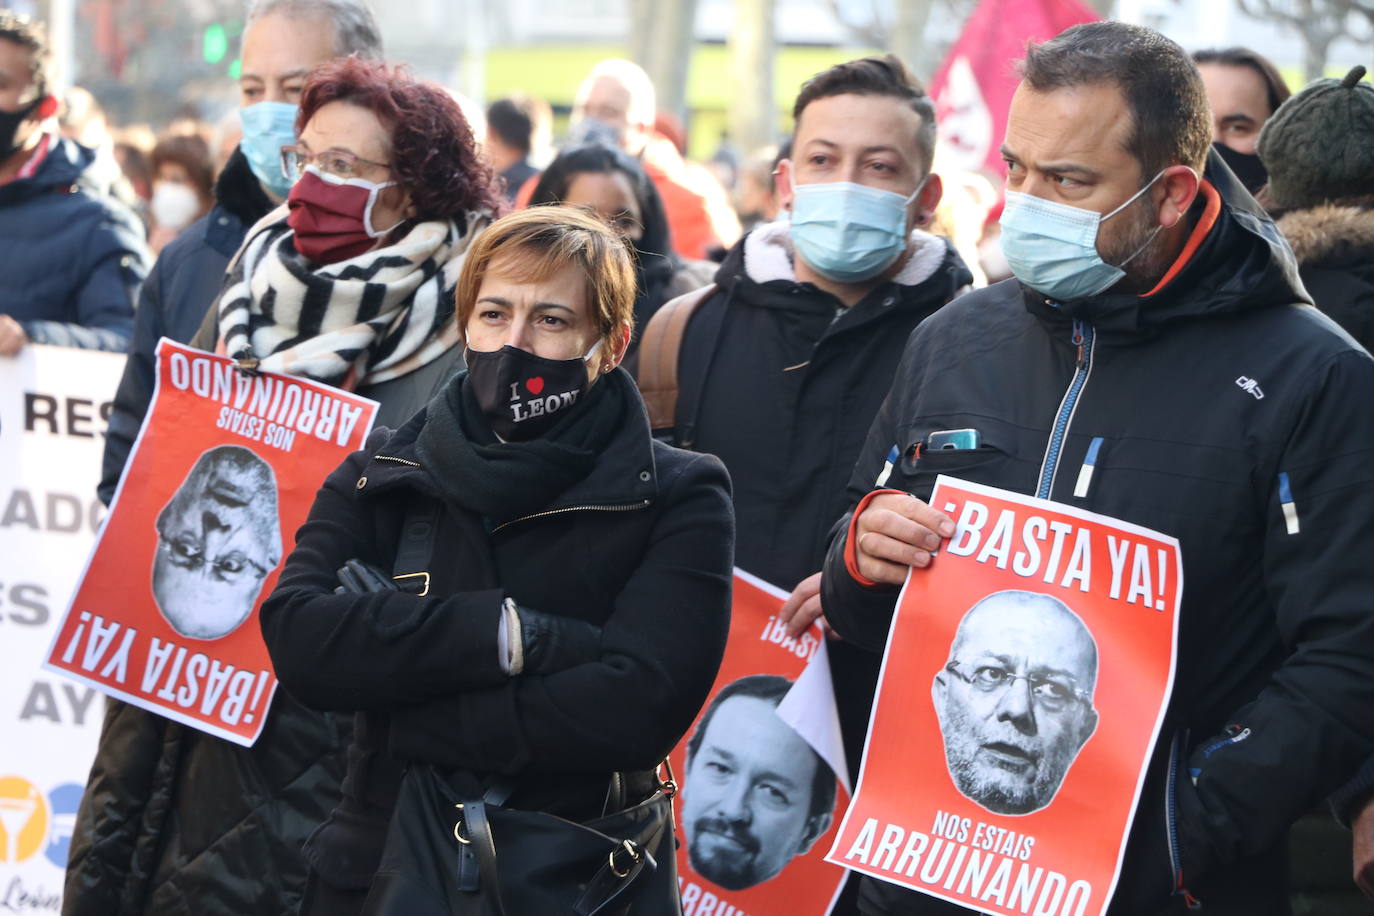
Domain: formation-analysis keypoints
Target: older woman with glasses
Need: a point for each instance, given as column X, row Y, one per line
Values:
column 352, row 282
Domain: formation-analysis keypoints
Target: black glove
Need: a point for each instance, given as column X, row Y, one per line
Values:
column 360, row 578
column 550, row 643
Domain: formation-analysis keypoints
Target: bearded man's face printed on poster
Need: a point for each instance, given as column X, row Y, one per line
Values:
column 218, row 538
column 755, row 794
column 1015, row 700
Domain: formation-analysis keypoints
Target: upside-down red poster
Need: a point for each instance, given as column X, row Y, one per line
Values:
column 761, row 773
column 223, row 472
column 1025, row 680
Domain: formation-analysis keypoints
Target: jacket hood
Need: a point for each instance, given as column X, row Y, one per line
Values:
column 64, row 165
column 762, row 266
column 1242, row 263
column 1334, row 234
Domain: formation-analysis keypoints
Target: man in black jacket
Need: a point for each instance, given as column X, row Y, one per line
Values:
column 1166, row 343
column 134, row 848
column 783, row 368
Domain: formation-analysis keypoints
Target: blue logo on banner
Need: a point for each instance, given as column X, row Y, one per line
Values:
column 64, row 800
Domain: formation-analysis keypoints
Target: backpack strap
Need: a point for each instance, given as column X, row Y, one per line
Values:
column 416, row 546
column 659, row 350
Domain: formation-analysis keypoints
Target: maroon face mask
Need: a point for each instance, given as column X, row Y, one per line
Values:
column 332, row 216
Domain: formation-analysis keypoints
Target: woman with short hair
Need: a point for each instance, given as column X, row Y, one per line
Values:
column 576, row 600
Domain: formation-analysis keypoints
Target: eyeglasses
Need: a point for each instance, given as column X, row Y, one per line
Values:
column 340, row 163
column 1052, row 693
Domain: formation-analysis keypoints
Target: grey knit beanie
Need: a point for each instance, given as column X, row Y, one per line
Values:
column 1319, row 145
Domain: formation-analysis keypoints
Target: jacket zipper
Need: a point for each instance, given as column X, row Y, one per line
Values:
column 1171, row 824
column 1084, row 339
column 406, row 461
column 622, row 507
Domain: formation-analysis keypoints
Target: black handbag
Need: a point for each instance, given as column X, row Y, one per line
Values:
column 453, row 851
column 453, row 854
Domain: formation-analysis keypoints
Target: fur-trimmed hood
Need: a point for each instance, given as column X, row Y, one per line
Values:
column 1330, row 233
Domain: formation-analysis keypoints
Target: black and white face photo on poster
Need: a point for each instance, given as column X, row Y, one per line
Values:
column 217, row 540
column 755, row 794
column 1015, row 699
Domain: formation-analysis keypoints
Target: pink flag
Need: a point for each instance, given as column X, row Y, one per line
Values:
column 973, row 87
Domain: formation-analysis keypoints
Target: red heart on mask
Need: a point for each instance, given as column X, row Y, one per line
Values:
column 535, row 385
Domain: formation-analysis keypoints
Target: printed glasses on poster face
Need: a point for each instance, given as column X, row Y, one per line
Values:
column 1052, row 693
column 336, row 162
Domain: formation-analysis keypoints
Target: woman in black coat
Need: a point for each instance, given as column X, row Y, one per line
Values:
column 578, row 588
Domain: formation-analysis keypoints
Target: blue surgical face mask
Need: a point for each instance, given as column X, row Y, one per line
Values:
column 849, row 232
column 1052, row 247
column 267, row 127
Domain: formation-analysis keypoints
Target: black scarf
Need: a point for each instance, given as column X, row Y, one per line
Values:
column 504, row 480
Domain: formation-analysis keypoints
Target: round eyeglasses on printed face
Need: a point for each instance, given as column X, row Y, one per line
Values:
column 1050, row 692
column 337, row 162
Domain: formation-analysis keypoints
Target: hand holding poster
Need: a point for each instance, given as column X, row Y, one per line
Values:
column 1025, row 679
column 224, row 471
column 758, row 802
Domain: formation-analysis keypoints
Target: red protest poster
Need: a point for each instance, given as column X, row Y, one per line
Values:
column 973, row 87
column 1025, row 679
column 223, row 473
column 758, row 804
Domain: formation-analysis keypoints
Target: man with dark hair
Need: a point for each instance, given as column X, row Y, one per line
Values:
column 1244, row 89
column 755, row 794
column 72, row 256
column 515, row 127
column 785, row 361
column 1154, row 360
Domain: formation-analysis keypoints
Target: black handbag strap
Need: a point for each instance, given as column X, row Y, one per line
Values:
column 416, row 547
column 479, row 835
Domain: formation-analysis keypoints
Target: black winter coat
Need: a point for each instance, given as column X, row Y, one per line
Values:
column 1203, row 394
column 72, row 256
column 1334, row 245
column 781, row 382
column 642, row 548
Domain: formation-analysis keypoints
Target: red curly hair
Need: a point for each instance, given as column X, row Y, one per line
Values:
column 433, row 153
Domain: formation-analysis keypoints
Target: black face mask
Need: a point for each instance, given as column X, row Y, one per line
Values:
column 523, row 396
column 9, row 126
column 1246, row 166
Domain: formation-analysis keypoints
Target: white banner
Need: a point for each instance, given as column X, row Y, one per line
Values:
column 54, row 403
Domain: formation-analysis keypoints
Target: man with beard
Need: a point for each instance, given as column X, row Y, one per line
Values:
column 217, row 539
column 1015, row 700
column 1156, row 360
column 755, row 794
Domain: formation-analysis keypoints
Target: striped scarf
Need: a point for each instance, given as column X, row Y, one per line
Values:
column 365, row 320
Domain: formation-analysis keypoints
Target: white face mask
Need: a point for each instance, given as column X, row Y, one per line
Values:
column 174, row 205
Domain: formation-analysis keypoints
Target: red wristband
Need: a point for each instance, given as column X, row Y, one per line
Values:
column 851, row 558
